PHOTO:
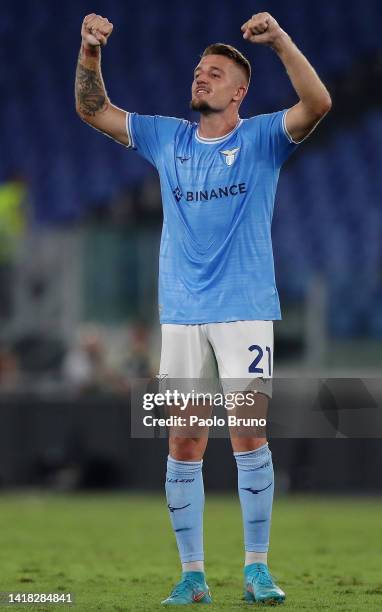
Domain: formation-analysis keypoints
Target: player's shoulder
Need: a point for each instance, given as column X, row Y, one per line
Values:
column 172, row 120
column 265, row 128
column 160, row 120
column 263, row 120
column 173, row 128
column 162, row 128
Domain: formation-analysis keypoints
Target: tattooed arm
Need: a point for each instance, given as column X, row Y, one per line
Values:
column 92, row 102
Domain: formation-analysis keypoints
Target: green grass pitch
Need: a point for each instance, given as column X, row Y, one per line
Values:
column 118, row 553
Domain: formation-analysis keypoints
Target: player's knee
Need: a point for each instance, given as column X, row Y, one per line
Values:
column 187, row 449
column 244, row 445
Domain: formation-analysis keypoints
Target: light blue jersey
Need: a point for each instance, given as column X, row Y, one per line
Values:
column 216, row 260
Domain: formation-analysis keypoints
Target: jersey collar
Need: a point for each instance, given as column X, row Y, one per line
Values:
column 220, row 138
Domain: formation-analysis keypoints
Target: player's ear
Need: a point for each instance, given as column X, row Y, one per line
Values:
column 240, row 93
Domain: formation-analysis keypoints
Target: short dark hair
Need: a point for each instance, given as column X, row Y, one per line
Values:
column 231, row 53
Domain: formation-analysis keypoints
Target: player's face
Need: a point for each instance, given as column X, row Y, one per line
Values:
column 218, row 81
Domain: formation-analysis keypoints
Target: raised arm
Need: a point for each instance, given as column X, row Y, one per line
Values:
column 92, row 102
column 315, row 101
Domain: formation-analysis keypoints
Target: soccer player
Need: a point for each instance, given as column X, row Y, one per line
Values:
column 217, row 292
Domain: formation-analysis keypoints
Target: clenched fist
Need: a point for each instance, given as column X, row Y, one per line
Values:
column 96, row 30
column 261, row 28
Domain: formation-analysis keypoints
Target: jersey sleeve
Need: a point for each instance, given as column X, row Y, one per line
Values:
column 275, row 140
column 149, row 135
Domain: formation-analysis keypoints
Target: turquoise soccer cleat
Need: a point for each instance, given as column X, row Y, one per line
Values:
column 190, row 590
column 259, row 585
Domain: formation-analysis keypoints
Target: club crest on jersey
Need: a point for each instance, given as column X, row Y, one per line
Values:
column 230, row 155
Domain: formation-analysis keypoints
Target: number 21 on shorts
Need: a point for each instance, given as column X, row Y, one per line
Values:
column 254, row 367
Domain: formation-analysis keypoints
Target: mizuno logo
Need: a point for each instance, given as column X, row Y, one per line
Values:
column 182, row 159
column 256, row 491
column 183, row 480
column 230, row 155
column 172, row 508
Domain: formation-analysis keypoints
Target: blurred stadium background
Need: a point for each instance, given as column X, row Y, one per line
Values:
column 80, row 221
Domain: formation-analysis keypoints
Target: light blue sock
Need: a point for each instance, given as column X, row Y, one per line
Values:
column 185, row 500
column 255, row 484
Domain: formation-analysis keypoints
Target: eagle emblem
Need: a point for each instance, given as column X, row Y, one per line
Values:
column 230, row 155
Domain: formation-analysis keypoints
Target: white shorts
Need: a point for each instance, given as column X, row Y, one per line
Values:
column 240, row 353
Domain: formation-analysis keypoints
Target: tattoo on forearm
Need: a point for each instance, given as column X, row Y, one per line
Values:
column 90, row 91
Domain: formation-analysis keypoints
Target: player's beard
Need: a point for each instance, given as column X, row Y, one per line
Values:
column 202, row 106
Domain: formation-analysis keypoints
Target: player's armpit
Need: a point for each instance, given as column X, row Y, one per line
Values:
column 300, row 121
